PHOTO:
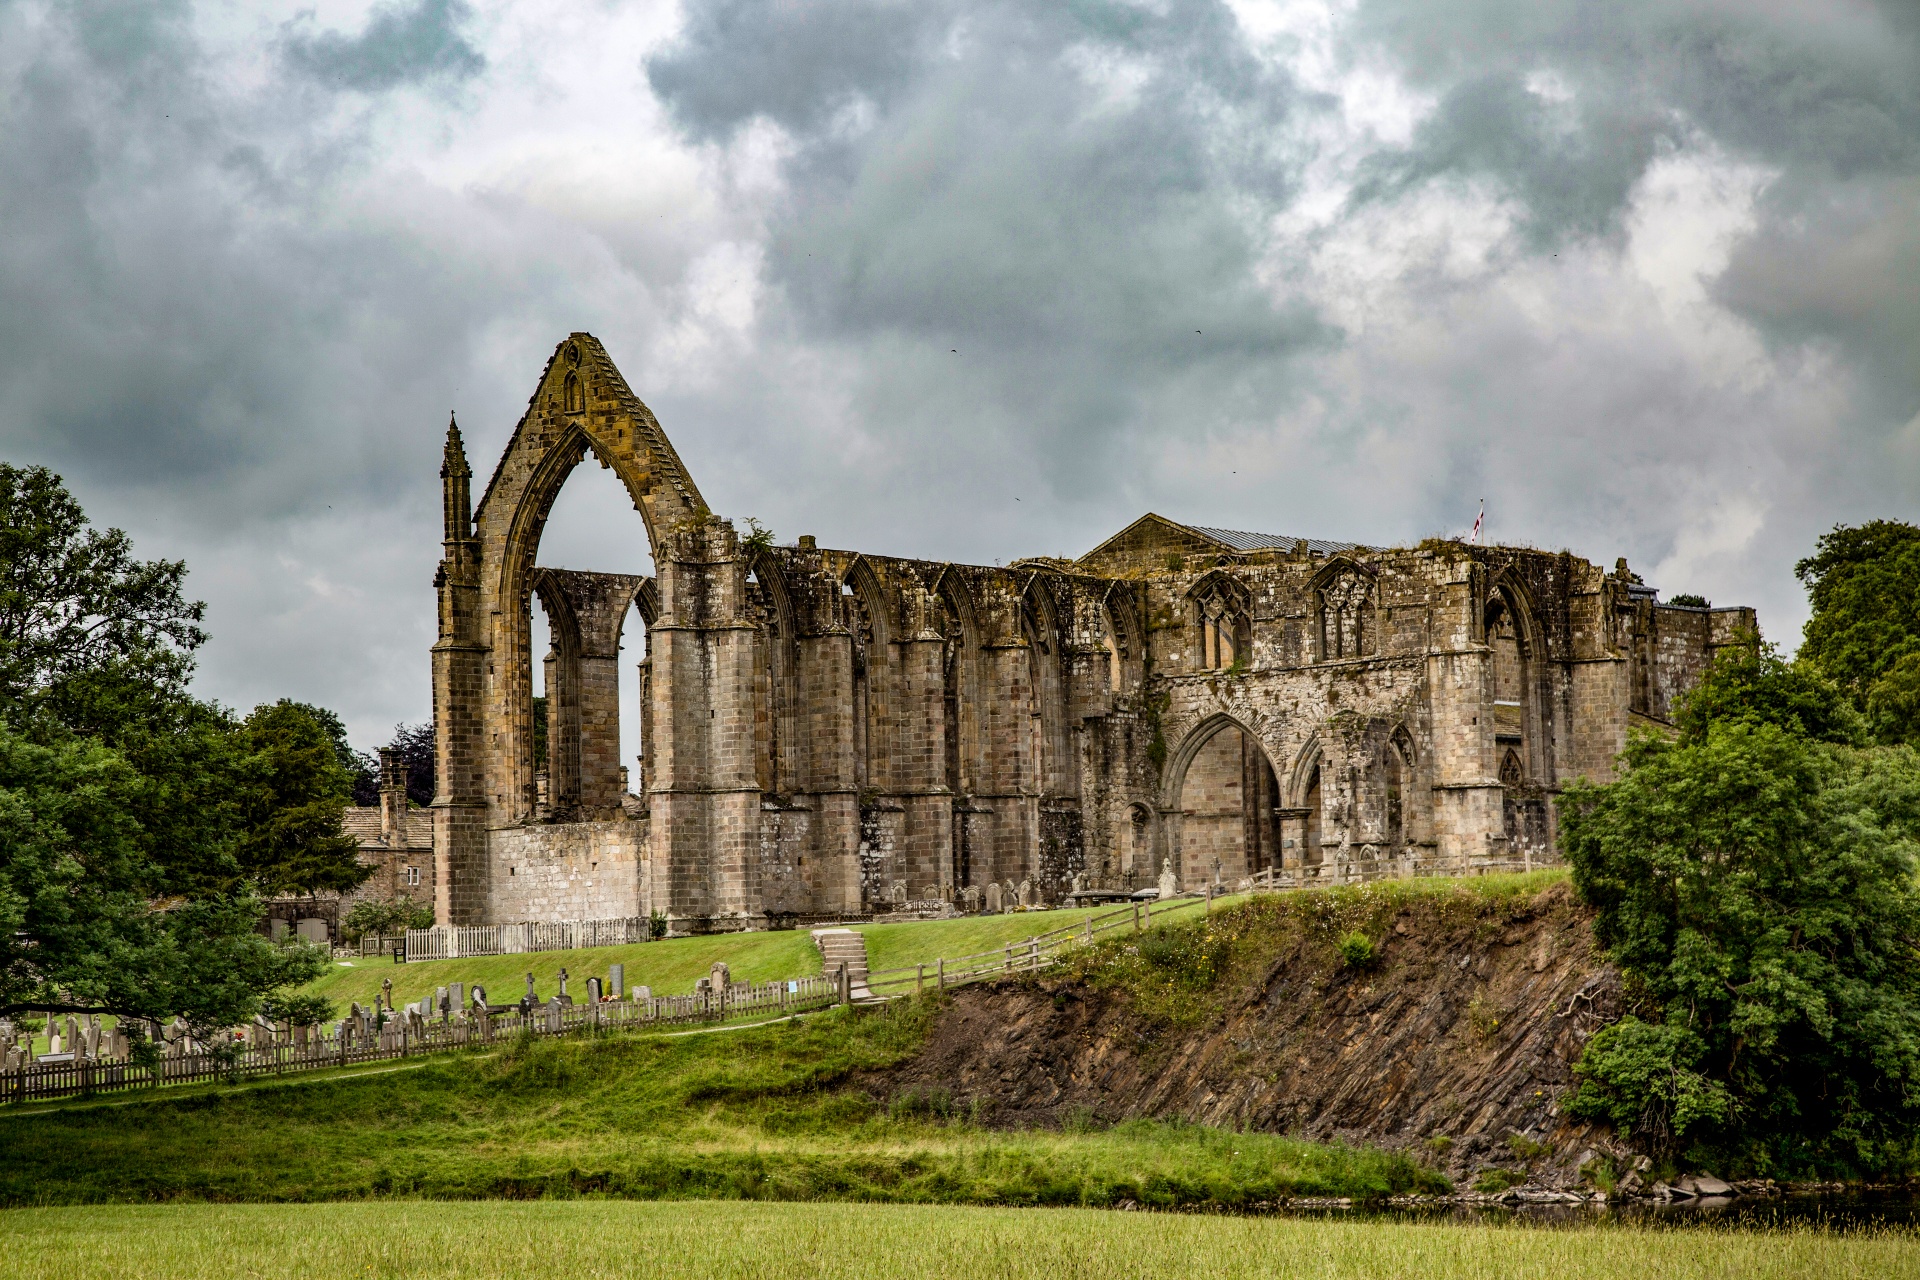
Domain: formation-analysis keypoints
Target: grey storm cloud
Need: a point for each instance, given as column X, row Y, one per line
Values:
column 959, row 279
column 1067, row 198
column 400, row 44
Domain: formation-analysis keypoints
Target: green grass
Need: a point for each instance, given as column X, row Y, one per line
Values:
column 768, row 1113
column 590, row 1239
column 672, row 965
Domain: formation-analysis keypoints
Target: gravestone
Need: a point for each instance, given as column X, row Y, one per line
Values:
column 616, row 980
column 479, row 996
column 531, row 997
column 440, row 1005
column 1169, row 883
column 642, row 992
column 593, row 991
column 456, row 997
column 564, row 997
column 993, row 899
column 720, row 978
column 1026, row 893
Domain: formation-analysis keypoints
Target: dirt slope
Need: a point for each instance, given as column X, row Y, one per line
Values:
column 1465, row 1028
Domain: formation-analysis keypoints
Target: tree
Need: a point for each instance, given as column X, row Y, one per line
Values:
column 293, row 799
column 86, row 924
column 363, row 771
column 1749, row 683
column 1758, row 891
column 121, row 795
column 415, row 744
column 1864, row 586
column 88, row 634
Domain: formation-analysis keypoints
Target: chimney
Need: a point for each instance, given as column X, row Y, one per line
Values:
column 393, row 798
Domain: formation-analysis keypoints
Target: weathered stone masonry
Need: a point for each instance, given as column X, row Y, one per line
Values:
column 827, row 732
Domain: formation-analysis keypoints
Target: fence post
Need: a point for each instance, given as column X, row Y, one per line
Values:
column 844, row 984
column 920, row 978
column 941, row 963
column 1209, row 899
column 1006, row 960
column 1033, row 954
column 1136, row 917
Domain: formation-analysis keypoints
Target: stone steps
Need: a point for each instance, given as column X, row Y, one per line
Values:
column 844, row 945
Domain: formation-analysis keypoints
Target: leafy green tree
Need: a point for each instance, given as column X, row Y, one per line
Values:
column 385, row 918
column 88, row 635
column 1758, row 891
column 1749, row 683
column 293, row 800
column 86, row 923
column 1864, row 585
column 121, row 795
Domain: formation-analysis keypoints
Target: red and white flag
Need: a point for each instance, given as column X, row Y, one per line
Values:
column 1478, row 521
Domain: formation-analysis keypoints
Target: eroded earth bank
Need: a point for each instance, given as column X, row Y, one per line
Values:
column 1456, row 1041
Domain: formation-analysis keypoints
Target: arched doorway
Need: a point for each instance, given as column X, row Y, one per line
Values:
column 1227, row 799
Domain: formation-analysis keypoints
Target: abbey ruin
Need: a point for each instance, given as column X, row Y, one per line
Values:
column 828, row 733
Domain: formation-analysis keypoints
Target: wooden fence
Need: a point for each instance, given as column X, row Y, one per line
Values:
column 456, row 942
column 1034, row 953
column 408, row 1035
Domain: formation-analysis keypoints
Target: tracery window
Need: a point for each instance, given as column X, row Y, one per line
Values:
column 1347, row 628
column 1223, row 627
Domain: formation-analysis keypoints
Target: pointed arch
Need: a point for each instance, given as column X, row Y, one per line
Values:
column 1041, row 627
column 1346, row 611
column 863, row 605
column 1221, row 611
column 1517, row 679
column 1222, row 798
column 959, row 629
column 777, row 679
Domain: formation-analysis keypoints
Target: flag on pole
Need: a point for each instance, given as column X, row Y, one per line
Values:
column 1478, row 521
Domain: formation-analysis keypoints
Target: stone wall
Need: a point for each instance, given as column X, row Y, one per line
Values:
column 831, row 732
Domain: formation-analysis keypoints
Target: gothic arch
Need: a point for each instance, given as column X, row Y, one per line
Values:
column 1346, row 611
column 1233, row 828
column 1222, row 612
column 1054, row 772
column 960, row 681
column 1511, row 630
column 864, row 608
column 776, row 684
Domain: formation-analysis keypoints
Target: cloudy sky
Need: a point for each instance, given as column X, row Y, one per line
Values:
column 961, row 280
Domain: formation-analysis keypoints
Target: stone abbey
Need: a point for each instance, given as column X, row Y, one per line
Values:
column 831, row 733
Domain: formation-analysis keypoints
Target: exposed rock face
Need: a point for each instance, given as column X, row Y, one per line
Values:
column 1464, row 1028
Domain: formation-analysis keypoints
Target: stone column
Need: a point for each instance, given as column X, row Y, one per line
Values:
column 705, row 795
column 460, row 871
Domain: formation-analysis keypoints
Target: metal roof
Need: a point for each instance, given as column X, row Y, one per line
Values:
column 1241, row 540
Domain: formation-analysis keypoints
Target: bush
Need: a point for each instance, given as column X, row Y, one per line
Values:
column 1758, row 891
column 384, row 918
column 1356, row 950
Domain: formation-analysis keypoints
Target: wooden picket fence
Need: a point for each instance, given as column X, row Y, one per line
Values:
column 456, row 942
column 1032, row 955
column 408, row 1035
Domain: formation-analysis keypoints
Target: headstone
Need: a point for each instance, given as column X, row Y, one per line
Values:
column 702, row 986
column 593, row 991
column 642, row 992
column 1079, row 884
column 1026, row 893
column 479, row 996
column 720, row 977
column 616, row 980
column 1169, row 883
column 440, row 1005
column 994, row 903
column 457, row 997
column 531, row 997
column 898, row 893
column 563, row 984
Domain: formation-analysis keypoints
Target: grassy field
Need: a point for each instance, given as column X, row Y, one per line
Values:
column 672, row 965
column 589, row 1239
column 767, row 1113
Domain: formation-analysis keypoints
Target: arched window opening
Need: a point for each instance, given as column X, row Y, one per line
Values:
column 574, row 397
column 1229, row 811
column 1512, row 775
column 1223, row 627
column 1397, row 760
column 1347, row 617
column 1310, row 854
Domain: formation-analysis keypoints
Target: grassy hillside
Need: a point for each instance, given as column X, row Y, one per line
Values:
column 759, row 1114
column 672, row 965
column 880, row 1242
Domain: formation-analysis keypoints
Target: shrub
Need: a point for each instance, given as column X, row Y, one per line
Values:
column 1492, row 1182
column 1356, row 950
column 394, row 916
column 657, row 925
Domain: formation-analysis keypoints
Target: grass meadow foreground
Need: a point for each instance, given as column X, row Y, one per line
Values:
column 770, row 1113
column 584, row 1240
